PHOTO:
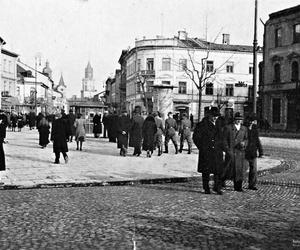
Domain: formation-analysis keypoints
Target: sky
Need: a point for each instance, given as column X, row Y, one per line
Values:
column 70, row 33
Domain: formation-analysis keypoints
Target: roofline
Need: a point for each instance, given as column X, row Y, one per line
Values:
column 2, row 42
column 285, row 12
column 9, row 53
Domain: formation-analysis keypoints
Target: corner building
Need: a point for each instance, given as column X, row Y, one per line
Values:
column 162, row 62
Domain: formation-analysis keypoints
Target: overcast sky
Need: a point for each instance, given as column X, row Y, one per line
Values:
column 69, row 33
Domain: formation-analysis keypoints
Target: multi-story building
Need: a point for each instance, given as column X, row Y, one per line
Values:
column 9, row 87
column 157, row 75
column 280, row 86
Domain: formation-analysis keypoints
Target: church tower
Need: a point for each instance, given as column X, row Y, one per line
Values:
column 47, row 70
column 88, row 83
column 61, row 86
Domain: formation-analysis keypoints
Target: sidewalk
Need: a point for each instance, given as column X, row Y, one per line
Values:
column 99, row 163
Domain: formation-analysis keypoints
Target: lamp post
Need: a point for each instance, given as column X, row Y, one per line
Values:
column 2, row 42
column 37, row 58
column 255, row 59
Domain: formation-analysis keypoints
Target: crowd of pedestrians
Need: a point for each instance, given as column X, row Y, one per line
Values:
column 226, row 146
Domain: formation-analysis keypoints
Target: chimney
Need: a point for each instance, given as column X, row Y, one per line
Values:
column 182, row 35
column 226, row 39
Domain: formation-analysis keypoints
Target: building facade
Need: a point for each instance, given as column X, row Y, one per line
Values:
column 280, row 87
column 158, row 75
column 88, row 83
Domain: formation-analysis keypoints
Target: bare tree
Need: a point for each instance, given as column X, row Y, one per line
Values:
column 142, row 80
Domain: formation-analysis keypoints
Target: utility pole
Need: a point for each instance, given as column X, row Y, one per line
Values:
column 255, row 60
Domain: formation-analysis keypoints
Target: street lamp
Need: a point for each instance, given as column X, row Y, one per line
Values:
column 37, row 58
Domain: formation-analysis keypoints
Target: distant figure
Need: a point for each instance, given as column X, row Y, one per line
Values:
column 31, row 120
column 59, row 136
column 185, row 133
column 20, row 122
column 105, row 123
column 80, row 131
column 136, row 136
column 170, row 132
column 97, row 126
column 149, row 131
column 158, row 139
column 44, row 131
column 14, row 121
column 3, row 125
column 123, row 128
column 71, row 118
column 192, row 120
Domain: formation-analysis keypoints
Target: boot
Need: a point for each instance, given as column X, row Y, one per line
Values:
column 176, row 149
column 166, row 149
column 180, row 150
column 159, row 151
column 189, row 151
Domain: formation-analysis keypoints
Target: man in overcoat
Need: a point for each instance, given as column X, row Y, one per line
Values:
column 208, row 139
column 185, row 133
column 60, row 136
column 235, row 142
column 253, row 146
column 158, row 140
column 97, row 125
column 3, row 125
column 136, row 136
column 170, row 132
column 123, row 128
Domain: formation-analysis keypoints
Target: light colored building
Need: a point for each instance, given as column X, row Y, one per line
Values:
column 280, row 86
column 161, row 65
column 8, row 80
column 88, row 83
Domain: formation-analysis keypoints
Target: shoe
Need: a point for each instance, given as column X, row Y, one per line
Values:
column 80, row 149
column 77, row 148
column 189, row 152
column 180, row 151
column 66, row 159
column 56, row 162
column 253, row 188
column 207, row 191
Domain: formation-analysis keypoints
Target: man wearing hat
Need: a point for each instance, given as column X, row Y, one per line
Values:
column 235, row 143
column 185, row 133
column 170, row 132
column 158, row 140
column 208, row 139
column 123, row 128
column 253, row 146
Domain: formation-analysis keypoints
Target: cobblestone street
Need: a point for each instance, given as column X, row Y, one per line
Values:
column 162, row 216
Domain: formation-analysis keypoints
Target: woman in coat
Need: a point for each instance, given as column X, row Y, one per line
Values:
column 149, row 131
column 123, row 128
column 80, row 131
column 136, row 136
column 44, row 131
column 235, row 143
column 59, row 136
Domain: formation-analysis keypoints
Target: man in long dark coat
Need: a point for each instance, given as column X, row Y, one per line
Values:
column 170, row 132
column 208, row 139
column 3, row 125
column 59, row 136
column 97, row 129
column 253, row 146
column 105, row 123
column 71, row 117
column 158, row 139
column 135, row 138
column 31, row 120
column 235, row 142
column 123, row 128
column 185, row 133
column 113, row 127
column 149, row 130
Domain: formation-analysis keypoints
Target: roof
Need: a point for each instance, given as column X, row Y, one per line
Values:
column 61, row 82
column 9, row 53
column 2, row 41
column 285, row 12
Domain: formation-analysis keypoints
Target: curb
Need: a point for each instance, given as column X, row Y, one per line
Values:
column 284, row 166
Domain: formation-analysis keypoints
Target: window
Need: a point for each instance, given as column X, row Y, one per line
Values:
column 4, row 65
column 5, row 86
column 182, row 88
column 166, row 82
column 276, row 110
column 18, row 91
column 277, row 72
column 182, row 64
column 9, row 66
column 209, row 66
column 138, row 64
column 149, row 85
column 295, row 71
column 166, row 64
column 150, row 64
column 229, row 89
column 278, row 37
column 297, row 33
column 229, row 67
column 138, row 87
column 209, row 89
column 250, row 68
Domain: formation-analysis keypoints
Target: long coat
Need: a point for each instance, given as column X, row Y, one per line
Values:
column 3, row 125
column 71, row 118
column 59, row 135
column 112, row 123
column 97, row 128
column 149, row 130
column 123, row 124
column 135, row 136
column 44, row 131
column 254, row 144
column 208, row 139
column 235, row 143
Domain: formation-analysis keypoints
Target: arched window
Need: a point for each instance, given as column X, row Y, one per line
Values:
column 295, row 71
column 277, row 72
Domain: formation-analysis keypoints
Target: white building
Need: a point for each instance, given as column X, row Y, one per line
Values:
column 88, row 83
column 163, row 64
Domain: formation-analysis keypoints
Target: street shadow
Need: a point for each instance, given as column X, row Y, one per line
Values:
column 29, row 158
column 187, row 234
column 25, row 146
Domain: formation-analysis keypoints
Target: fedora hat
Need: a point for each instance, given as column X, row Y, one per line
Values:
column 214, row 111
column 238, row 116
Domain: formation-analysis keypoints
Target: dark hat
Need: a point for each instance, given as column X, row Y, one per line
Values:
column 170, row 113
column 252, row 118
column 237, row 116
column 214, row 111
